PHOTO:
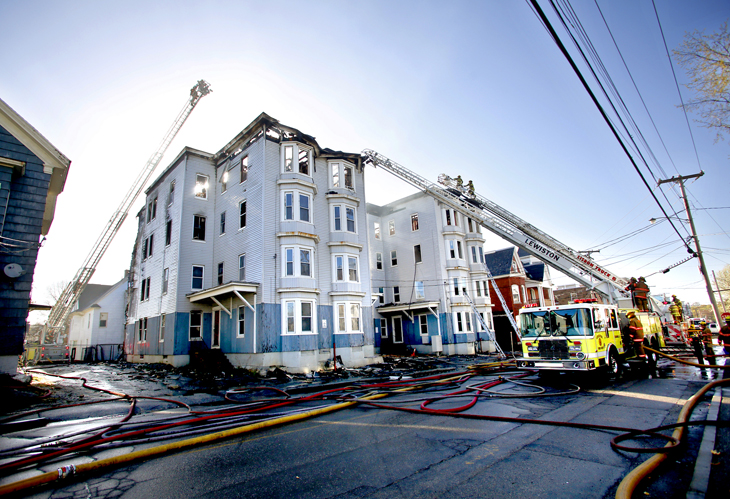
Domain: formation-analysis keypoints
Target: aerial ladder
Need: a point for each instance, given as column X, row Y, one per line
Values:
column 63, row 307
column 510, row 227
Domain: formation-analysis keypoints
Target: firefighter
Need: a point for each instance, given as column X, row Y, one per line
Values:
column 723, row 337
column 706, row 336
column 459, row 182
column 696, row 338
column 632, row 289
column 637, row 334
column 470, row 188
column 677, row 303
column 642, row 295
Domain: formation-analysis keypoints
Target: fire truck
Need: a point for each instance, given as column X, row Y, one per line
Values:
column 583, row 336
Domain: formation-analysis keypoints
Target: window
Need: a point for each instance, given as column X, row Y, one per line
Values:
column 103, row 318
column 224, row 180
column 242, row 215
column 300, row 154
column 196, row 324
column 420, row 290
column 481, row 254
column 381, row 295
column 486, row 291
column 288, row 206
column 473, row 253
column 478, row 288
column 350, row 273
column 452, row 248
column 241, row 322
column 458, row 246
column 515, row 293
column 448, row 217
column 297, row 258
column 342, row 175
column 299, row 316
column 423, row 324
column 303, row 207
column 414, row 222
column 152, row 210
column 379, row 261
column 168, row 233
column 165, row 280
column 397, row 329
column 220, row 273
column 376, row 226
column 163, row 327
column 223, row 223
column 524, row 294
column 383, row 328
column 242, row 267
column 347, row 317
column 469, row 222
column 393, row 258
column 198, row 271
column 201, row 186
column 145, row 243
column 142, row 330
column 171, row 194
column 391, row 227
column 244, row 169
column 459, row 324
column 396, row 294
column 456, row 286
column 417, row 253
column 145, row 292
column 467, row 321
column 198, row 228
column 349, row 212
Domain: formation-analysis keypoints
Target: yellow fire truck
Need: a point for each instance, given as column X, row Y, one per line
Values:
column 583, row 336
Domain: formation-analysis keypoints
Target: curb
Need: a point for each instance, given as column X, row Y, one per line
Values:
column 701, row 476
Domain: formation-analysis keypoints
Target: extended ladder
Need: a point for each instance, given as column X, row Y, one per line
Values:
column 61, row 310
column 483, row 323
column 510, row 227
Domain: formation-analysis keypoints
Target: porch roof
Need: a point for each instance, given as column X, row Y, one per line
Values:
column 408, row 307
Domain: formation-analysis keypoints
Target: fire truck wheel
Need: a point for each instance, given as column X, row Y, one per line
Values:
column 613, row 366
column 651, row 357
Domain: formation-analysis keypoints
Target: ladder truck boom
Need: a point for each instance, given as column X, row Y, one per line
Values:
column 510, row 227
column 61, row 310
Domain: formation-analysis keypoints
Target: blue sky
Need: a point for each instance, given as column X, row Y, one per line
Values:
column 475, row 88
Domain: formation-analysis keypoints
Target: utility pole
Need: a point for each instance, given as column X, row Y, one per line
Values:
column 703, row 269
column 719, row 291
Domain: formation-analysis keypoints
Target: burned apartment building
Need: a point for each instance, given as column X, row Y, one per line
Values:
column 258, row 251
column 425, row 258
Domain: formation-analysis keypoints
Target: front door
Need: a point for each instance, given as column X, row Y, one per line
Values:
column 215, row 341
column 397, row 329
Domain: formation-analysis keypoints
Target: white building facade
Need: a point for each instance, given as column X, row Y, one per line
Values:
column 259, row 250
column 426, row 262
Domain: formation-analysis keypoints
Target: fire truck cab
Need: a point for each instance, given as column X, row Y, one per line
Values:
column 582, row 336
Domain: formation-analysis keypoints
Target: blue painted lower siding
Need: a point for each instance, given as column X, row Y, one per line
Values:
column 268, row 333
column 412, row 333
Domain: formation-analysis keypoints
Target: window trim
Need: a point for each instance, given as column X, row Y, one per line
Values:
column 393, row 258
column 414, row 222
column 346, row 258
column 297, row 148
column 244, row 163
column 222, row 228
column 241, row 322
column 103, row 319
column 342, row 218
column 165, row 280
column 347, row 317
column 242, row 276
column 242, row 213
column 417, row 255
column 298, row 317
column 203, row 229
column 296, row 260
column 296, row 206
column 423, row 323
column 378, row 260
column 199, row 327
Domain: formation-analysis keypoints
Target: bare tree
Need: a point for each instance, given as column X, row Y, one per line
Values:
column 54, row 291
column 706, row 60
column 723, row 281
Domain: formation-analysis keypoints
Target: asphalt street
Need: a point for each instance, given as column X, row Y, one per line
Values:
column 372, row 452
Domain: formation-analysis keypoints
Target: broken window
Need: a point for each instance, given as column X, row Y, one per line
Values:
column 224, row 180
column 335, row 174
column 349, row 179
column 196, row 324
column 458, row 246
column 168, row 233
column 379, row 261
column 220, row 273
column 417, row 253
column 223, row 223
column 391, row 227
column 198, row 228
column 448, row 217
column 381, row 295
column 201, row 186
column 242, row 215
column 304, row 162
column 142, row 329
column 244, row 169
column 288, row 158
column 171, row 194
column 393, row 258
column 414, row 222
column 377, row 230
column 420, row 290
column 242, row 267
column 165, row 280
column 152, row 210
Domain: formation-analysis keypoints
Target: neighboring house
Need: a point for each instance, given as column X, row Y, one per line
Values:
column 258, row 251
column 32, row 174
column 570, row 292
column 96, row 330
column 424, row 259
column 538, row 283
column 510, row 276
